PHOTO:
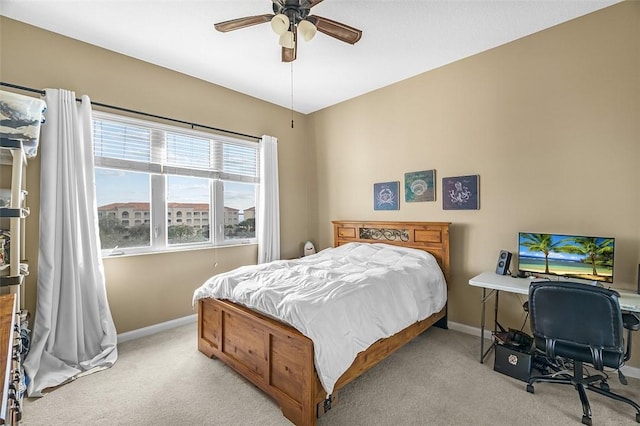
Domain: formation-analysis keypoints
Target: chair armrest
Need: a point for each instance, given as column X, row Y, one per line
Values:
column 631, row 321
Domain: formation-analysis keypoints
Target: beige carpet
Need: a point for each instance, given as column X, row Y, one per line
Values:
column 436, row 379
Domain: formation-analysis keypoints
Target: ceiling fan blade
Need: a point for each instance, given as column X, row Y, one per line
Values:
column 335, row 29
column 309, row 3
column 236, row 24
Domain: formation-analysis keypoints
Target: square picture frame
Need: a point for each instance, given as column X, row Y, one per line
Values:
column 386, row 196
column 420, row 186
column 461, row 192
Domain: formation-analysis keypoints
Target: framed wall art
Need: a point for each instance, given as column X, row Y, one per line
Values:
column 461, row 193
column 420, row 186
column 386, row 196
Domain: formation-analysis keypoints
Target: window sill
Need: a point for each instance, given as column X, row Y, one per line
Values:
column 111, row 254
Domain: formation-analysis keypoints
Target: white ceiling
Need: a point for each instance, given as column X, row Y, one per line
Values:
column 400, row 39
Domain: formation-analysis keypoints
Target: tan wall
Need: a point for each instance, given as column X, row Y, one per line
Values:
column 549, row 122
column 145, row 290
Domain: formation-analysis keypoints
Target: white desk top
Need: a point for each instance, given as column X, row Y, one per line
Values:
column 501, row 282
column 629, row 301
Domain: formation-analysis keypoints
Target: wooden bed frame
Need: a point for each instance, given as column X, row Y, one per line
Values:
column 279, row 359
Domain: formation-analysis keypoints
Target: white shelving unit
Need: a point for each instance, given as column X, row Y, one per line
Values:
column 20, row 119
column 12, row 217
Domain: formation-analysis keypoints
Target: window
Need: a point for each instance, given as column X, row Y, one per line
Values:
column 181, row 181
column 184, row 196
column 240, row 222
column 112, row 202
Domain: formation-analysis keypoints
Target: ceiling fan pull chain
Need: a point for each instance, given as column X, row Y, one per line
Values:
column 291, row 94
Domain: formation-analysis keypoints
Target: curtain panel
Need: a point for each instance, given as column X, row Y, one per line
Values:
column 268, row 224
column 73, row 332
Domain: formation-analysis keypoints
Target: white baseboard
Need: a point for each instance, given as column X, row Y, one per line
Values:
column 463, row 328
column 631, row 371
column 156, row 328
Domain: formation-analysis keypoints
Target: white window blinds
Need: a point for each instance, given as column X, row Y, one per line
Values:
column 124, row 143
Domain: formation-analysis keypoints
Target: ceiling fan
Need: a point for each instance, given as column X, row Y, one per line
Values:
column 287, row 18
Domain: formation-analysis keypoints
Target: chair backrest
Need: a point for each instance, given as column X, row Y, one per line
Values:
column 577, row 321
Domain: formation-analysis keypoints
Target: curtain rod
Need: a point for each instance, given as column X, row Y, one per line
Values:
column 145, row 114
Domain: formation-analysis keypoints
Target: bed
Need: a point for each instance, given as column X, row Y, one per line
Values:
column 279, row 359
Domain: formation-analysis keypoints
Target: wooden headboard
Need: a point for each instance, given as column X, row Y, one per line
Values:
column 432, row 237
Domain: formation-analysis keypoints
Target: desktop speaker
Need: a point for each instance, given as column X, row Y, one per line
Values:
column 504, row 259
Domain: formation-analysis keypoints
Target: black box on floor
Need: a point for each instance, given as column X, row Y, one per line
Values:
column 513, row 361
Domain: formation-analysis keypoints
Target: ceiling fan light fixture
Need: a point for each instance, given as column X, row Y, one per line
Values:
column 280, row 24
column 286, row 40
column 307, row 30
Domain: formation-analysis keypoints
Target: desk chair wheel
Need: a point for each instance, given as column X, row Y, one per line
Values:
column 586, row 420
column 530, row 388
column 604, row 386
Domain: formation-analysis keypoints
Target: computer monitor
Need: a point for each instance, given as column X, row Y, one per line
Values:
column 567, row 256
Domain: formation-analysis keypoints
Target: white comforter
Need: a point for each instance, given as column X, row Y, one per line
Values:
column 343, row 299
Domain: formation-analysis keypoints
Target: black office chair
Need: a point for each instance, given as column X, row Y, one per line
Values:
column 575, row 324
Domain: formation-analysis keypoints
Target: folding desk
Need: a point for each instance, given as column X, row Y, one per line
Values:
column 495, row 283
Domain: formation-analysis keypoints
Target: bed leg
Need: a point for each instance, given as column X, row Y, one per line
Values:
column 442, row 323
column 326, row 404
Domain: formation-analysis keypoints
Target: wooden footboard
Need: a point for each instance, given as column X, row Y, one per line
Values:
column 279, row 359
column 271, row 355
